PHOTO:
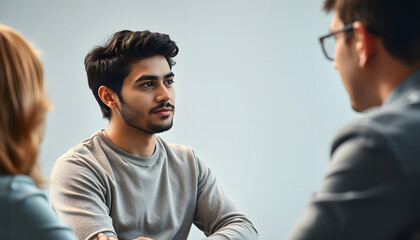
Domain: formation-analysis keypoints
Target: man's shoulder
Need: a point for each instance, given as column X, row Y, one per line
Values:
column 89, row 159
column 393, row 129
column 176, row 150
column 394, row 120
column 83, row 150
column 173, row 146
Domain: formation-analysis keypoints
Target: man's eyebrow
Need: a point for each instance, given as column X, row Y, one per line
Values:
column 154, row 77
column 147, row 77
column 171, row 74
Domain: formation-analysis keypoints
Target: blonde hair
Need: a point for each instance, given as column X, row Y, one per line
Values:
column 23, row 105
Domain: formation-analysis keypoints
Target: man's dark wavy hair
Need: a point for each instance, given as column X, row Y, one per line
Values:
column 396, row 22
column 109, row 65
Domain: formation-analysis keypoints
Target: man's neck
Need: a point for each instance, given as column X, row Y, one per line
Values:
column 388, row 72
column 130, row 139
column 392, row 75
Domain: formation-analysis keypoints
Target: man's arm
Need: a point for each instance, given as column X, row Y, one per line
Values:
column 79, row 196
column 362, row 195
column 216, row 214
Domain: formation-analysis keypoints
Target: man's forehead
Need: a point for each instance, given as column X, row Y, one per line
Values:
column 158, row 65
column 151, row 61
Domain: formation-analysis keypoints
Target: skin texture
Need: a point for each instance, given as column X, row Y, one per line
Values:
column 137, row 116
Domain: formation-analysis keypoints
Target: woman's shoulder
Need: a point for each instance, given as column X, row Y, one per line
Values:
column 18, row 188
column 27, row 210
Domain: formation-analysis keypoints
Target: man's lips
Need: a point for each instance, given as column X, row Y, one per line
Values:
column 165, row 111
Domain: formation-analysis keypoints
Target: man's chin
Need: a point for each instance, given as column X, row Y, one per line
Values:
column 161, row 127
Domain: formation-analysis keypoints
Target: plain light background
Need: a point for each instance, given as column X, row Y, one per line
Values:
column 256, row 98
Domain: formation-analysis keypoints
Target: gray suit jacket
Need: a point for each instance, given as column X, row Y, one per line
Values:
column 372, row 188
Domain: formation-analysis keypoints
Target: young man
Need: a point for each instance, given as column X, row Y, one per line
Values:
column 125, row 181
column 372, row 188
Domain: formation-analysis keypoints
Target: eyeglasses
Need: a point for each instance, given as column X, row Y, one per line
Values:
column 328, row 41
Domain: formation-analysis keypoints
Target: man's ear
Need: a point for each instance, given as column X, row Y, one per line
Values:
column 108, row 96
column 365, row 43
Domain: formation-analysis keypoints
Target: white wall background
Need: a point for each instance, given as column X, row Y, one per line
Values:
column 256, row 99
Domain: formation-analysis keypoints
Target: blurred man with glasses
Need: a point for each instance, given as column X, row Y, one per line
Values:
column 372, row 187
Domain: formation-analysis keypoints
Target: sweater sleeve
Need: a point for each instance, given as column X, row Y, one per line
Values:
column 216, row 214
column 362, row 196
column 79, row 196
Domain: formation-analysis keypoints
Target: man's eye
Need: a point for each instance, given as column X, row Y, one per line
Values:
column 169, row 81
column 147, row 84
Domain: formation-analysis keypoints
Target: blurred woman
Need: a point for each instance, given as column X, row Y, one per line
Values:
column 24, row 210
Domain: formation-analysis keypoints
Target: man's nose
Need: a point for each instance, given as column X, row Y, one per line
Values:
column 163, row 94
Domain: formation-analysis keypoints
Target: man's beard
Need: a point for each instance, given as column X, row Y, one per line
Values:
column 158, row 128
column 131, row 116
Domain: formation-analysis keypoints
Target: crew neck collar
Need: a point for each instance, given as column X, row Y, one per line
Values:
column 126, row 156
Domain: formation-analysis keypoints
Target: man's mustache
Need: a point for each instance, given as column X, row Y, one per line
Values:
column 161, row 105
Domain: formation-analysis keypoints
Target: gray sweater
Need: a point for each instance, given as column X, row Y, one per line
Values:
column 97, row 187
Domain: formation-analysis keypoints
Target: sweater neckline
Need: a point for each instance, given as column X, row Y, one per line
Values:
column 129, row 157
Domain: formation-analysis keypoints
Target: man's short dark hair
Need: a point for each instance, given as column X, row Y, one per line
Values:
column 109, row 64
column 396, row 22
